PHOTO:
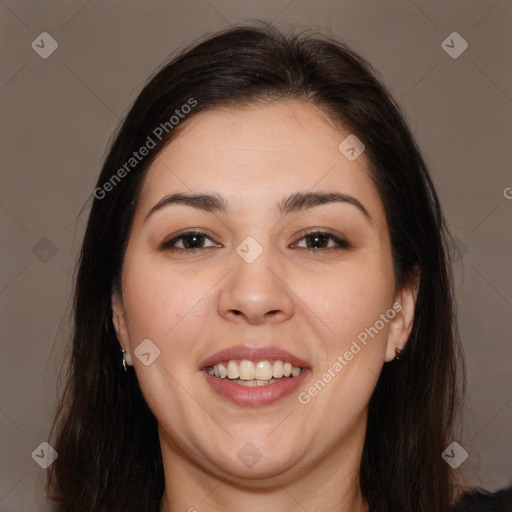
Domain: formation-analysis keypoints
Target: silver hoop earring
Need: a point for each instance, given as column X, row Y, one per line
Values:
column 124, row 361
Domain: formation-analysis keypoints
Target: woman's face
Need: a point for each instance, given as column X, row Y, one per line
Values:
column 249, row 281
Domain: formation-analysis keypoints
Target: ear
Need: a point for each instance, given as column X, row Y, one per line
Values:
column 400, row 327
column 119, row 321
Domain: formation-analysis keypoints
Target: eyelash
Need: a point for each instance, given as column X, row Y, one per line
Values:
column 342, row 244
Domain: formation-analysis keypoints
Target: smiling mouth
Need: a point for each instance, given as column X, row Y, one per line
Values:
column 254, row 373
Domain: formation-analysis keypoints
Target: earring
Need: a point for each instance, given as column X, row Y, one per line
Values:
column 124, row 360
column 398, row 352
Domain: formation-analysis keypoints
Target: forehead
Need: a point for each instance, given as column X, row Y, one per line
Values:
column 259, row 152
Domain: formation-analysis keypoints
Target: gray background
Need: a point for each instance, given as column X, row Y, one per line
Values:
column 58, row 114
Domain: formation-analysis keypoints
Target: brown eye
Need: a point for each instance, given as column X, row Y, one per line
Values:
column 191, row 242
column 318, row 241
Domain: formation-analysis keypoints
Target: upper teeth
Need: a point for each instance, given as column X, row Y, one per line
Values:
column 247, row 370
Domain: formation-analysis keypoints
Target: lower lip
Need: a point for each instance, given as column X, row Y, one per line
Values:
column 256, row 395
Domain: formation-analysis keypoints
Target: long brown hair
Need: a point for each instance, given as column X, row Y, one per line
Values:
column 106, row 436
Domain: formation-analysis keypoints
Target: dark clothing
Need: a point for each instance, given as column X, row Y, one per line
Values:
column 482, row 501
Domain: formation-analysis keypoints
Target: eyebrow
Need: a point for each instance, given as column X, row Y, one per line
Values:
column 299, row 201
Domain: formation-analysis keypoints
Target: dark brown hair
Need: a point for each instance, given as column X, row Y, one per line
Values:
column 106, row 436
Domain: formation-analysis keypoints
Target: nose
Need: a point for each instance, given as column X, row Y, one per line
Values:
column 256, row 292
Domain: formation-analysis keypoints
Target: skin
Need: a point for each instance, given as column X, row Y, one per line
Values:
column 192, row 305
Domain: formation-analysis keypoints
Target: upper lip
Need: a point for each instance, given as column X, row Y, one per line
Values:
column 253, row 354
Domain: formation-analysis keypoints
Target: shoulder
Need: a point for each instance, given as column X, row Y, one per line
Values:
column 478, row 500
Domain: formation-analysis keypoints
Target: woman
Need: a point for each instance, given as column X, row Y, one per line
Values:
column 263, row 307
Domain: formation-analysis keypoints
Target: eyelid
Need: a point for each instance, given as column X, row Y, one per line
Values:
column 167, row 243
column 340, row 240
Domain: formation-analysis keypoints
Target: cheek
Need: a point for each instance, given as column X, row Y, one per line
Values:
column 354, row 348
column 166, row 308
column 354, row 299
column 157, row 299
